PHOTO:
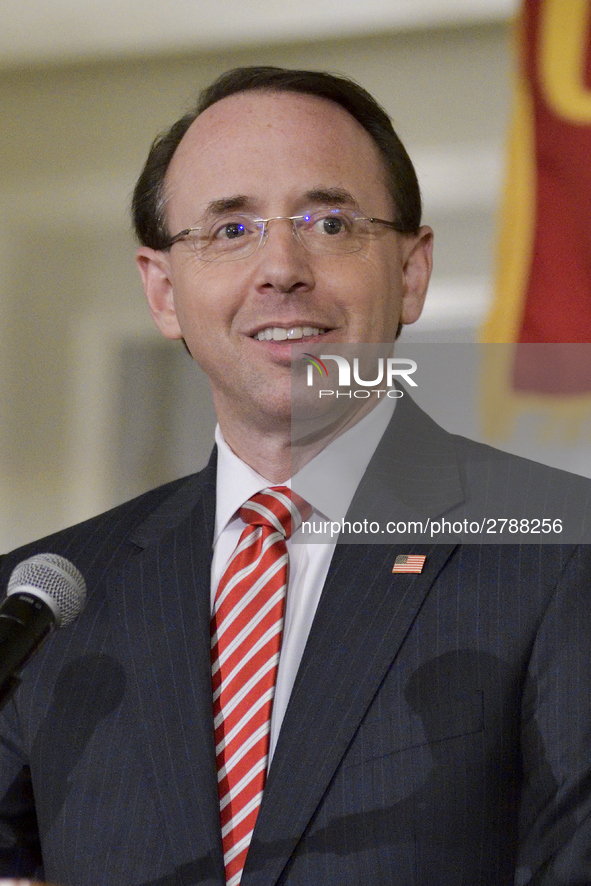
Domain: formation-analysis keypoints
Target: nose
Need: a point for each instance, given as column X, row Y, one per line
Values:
column 287, row 231
column 283, row 265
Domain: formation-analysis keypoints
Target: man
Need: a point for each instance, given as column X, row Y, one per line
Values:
column 427, row 727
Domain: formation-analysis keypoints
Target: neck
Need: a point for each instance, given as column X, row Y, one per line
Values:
column 278, row 448
column 269, row 454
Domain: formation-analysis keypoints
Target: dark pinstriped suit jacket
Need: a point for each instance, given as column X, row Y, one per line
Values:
column 439, row 731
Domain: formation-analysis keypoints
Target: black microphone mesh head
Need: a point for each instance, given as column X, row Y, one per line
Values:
column 56, row 578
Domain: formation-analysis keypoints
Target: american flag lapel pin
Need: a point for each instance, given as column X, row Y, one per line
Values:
column 409, row 563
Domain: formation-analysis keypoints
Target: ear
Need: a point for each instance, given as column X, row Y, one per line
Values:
column 417, row 267
column 154, row 268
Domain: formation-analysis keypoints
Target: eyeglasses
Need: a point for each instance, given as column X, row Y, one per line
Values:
column 324, row 232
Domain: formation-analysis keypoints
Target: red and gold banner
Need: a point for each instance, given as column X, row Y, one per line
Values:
column 543, row 287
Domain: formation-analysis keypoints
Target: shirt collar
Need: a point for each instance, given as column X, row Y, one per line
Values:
column 236, row 482
column 328, row 482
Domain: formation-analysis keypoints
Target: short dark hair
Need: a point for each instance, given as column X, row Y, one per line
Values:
column 148, row 204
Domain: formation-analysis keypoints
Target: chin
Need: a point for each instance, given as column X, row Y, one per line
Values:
column 273, row 409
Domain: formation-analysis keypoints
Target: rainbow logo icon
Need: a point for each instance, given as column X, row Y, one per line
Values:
column 315, row 361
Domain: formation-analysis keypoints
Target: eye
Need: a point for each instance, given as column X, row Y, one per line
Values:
column 229, row 231
column 333, row 225
column 331, row 222
column 232, row 228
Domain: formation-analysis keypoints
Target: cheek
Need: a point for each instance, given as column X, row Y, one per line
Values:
column 382, row 264
column 202, row 300
column 377, row 298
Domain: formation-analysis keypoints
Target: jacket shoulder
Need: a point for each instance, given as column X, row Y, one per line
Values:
column 102, row 539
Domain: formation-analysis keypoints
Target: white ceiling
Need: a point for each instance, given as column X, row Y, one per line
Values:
column 37, row 31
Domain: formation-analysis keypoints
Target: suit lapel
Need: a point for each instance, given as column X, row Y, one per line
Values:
column 161, row 599
column 364, row 614
column 414, row 473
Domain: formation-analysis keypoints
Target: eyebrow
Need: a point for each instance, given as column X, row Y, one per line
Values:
column 331, row 196
column 227, row 204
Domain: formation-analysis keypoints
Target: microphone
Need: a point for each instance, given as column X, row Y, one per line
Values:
column 44, row 592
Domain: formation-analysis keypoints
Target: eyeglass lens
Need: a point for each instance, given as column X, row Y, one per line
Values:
column 325, row 231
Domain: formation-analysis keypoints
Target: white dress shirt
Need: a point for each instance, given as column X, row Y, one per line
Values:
column 344, row 459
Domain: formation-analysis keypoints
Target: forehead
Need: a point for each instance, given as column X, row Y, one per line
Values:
column 273, row 147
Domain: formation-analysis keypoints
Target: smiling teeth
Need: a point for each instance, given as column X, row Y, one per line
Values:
column 280, row 333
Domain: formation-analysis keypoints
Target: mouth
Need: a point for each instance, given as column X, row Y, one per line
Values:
column 288, row 333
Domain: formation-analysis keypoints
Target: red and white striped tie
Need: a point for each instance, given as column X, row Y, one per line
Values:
column 246, row 631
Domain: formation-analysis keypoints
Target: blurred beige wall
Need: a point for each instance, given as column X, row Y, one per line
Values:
column 95, row 407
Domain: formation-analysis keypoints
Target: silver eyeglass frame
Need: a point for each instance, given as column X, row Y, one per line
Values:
column 186, row 232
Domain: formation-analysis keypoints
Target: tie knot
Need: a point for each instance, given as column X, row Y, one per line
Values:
column 277, row 507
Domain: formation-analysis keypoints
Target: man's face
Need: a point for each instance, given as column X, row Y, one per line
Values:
column 275, row 151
